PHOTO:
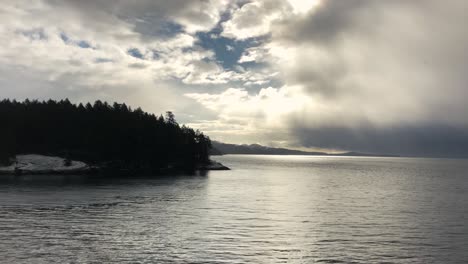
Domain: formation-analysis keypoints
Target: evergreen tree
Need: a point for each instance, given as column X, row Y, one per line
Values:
column 98, row 133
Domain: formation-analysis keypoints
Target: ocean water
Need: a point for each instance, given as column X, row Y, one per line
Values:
column 267, row 209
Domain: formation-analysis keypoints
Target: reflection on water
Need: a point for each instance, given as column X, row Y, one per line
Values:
column 268, row 209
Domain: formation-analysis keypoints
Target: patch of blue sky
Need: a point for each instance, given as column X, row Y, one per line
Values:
column 227, row 51
column 80, row 43
column 134, row 52
column 64, row 37
column 83, row 44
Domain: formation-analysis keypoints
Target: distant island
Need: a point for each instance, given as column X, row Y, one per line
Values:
column 219, row 148
column 61, row 137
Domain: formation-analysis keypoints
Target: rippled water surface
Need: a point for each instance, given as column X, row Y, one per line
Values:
column 268, row 209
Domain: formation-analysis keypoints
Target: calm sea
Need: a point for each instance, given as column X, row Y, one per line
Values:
column 267, row 209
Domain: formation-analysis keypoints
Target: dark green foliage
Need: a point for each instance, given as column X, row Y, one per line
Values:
column 99, row 133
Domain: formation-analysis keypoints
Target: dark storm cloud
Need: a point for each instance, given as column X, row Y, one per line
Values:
column 391, row 73
column 402, row 39
column 319, row 79
column 419, row 140
column 326, row 24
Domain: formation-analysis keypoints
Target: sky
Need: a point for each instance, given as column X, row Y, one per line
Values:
column 355, row 75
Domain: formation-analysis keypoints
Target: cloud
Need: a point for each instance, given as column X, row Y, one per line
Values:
column 146, row 16
column 254, row 54
column 326, row 23
column 382, row 61
column 255, row 115
column 433, row 140
column 254, row 19
column 353, row 75
column 87, row 50
column 371, row 70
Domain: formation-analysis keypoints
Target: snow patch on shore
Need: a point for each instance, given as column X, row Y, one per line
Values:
column 33, row 163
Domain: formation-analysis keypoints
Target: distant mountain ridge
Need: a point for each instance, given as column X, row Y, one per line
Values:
column 219, row 148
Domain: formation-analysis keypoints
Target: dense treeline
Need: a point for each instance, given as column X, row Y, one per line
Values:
column 99, row 133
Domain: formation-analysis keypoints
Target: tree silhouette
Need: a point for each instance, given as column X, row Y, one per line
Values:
column 99, row 133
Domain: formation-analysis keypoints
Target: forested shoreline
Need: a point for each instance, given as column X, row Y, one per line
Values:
column 100, row 133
